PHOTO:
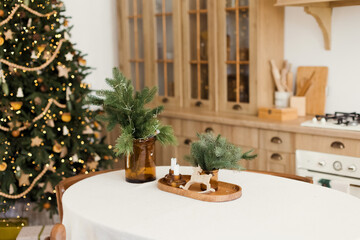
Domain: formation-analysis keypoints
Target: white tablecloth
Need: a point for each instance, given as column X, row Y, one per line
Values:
column 106, row 207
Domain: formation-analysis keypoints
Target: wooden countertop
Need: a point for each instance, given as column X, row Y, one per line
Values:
column 255, row 122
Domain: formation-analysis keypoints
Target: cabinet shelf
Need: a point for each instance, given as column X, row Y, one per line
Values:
column 321, row 10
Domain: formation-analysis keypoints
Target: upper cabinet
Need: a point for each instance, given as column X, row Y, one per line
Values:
column 205, row 55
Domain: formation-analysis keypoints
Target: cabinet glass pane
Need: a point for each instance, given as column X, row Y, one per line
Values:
column 193, row 37
column 203, row 37
column 139, row 7
column 132, row 38
column 232, row 3
column 244, row 83
column 170, row 80
column 140, row 38
column 131, row 7
column 161, row 79
column 133, row 74
column 194, row 81
column 158, row 6
column 168, row 6
column 159, row 38
column 204, row 81
column 231, row 82
column 244, row 34
column 231, row 35
column 194, row 3
column 169, row 38
column 141, row 75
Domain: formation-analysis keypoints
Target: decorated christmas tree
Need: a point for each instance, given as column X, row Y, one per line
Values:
column 46, row 132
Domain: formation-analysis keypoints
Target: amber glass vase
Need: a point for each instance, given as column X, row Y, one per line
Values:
column 140, row 166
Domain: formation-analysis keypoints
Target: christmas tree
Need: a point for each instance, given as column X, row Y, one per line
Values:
column 46, row 132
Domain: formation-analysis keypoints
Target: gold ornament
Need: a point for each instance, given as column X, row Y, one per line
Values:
column 66, row 117
column 36, row 141
column 66, row 23
column 16, row 105
column 15, row 133
column 82, row 61
column 40, row 80
column 41, row 48
column 1, row 41
column 1, row 13
column 46, row 205
column 3, row 166
column 57, row 147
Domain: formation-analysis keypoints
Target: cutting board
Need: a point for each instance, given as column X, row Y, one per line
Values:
column 316, row 95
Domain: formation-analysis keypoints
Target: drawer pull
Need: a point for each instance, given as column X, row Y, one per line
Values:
column 338, row 145
column 165, row 100
column 276, row 156
column 276, row 140
column 187, row 141
column 198, row 103
column 237, row 107
column 209, row 130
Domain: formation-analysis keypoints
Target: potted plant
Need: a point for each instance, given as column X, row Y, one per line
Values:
column 212, row 153
column 139, row 125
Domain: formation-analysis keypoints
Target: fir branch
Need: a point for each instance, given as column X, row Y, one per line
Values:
column 125, row 107
column 212, row 153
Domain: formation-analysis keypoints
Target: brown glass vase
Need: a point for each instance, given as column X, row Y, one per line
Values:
column 140, row 165
column 213, row 181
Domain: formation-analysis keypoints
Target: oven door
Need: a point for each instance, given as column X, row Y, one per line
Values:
column 352, row 185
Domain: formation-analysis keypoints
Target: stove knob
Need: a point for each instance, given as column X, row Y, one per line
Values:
column 337, row 165
column 314, row 120
column 323, row 121
column 322, row 163
column 352, row 168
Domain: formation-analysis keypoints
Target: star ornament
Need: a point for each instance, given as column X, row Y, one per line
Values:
column 63, row 71
column 8, row 35
column 69, row 56
column 36, row 141
column 24, row 179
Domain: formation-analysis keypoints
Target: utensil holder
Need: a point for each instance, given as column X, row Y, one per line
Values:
column 282, row 99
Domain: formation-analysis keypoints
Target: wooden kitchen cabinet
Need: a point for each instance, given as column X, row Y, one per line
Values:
column 208, row 55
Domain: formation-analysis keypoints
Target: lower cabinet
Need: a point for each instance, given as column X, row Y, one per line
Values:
column 278, row 161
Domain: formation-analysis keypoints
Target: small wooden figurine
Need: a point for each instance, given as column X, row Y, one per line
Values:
column 196, row 177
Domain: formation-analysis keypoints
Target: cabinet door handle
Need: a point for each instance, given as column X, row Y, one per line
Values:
column 237, row 107
column 165, row 100
column 209, row 130
column 187, row 141
column 198, row 103
column 338, row 145
column 276, row 140
column 276, row 156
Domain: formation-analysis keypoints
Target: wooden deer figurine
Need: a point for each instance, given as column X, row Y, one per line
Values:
column 196, row 177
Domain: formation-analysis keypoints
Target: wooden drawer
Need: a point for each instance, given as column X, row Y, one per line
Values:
column 190, row 128
column 183, row 149
column 243, row 136
column 333, row 145
column 277, row 141
column 279, row 162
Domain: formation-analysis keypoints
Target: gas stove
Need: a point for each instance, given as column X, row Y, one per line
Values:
column 338, row 120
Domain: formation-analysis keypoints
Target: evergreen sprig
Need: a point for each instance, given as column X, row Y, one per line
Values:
column 125, row 107
column 211, row 153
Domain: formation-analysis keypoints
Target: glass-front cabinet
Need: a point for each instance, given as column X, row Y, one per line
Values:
column 202, row 54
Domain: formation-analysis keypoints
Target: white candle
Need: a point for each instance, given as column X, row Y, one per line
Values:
column 173, row 163
column 177, row 170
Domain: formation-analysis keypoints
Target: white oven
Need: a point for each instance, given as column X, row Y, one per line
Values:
column 335, row 171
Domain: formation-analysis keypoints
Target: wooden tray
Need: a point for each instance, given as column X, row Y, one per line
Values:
column 225, row 192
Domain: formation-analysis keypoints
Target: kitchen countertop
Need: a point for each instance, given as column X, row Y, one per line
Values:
column 255, row 122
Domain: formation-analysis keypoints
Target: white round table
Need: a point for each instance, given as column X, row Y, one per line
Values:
column 106, row 207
